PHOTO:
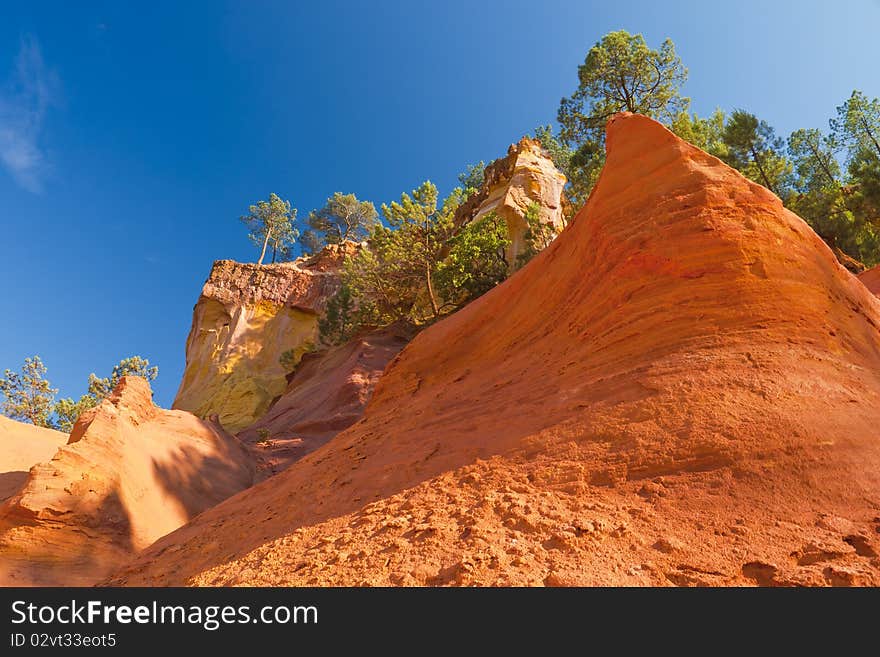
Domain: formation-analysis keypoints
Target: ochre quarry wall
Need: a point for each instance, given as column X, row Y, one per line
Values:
column 325, row 395
column 247, row 316
column 511, row 184
column 682, row 389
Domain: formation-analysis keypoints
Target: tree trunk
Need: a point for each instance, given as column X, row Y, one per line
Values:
column 265, row 244
column 434, row 308
column 761, row 170
column 822, row 163
column 274, row 250
column 870, row 134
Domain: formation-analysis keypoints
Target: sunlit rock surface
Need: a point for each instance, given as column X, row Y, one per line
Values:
column 247, row 316
column 130, row 473
column 682, row 389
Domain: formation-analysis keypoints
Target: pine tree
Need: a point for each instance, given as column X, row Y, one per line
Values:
column 754, row 149
column 272, row 222
column 28, row 396
column 620, row 73
column 340, row 320
column 67, row 411
column 343, row 217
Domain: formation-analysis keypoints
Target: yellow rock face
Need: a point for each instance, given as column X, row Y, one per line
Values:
column 235, row 370
column 245, row 319
column 511, row 184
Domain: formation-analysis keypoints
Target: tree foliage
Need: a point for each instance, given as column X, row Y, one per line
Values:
column 475, row 261
column 580, row 179
column 418, row 265
column 857, row 125
column 407, row 251
column 841, row 204
column 288, row 360
column 272, row 222
column 537, row 237
column 471, row 179
column 28, row 396
column 707, row 133
column 100, row 388
column 67, row 411
column 857, row 128
column 341, row 320
column 343, row 217
column 754, row 149
column 864, row 186
column 814, row 162
column 818, row 193
column 393, row 279
column 620, row 73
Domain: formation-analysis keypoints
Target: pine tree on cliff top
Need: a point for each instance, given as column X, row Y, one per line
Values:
column 271, row 222
column 343, row 217
column 857, row 127
column 754, row 149
column 620, row 73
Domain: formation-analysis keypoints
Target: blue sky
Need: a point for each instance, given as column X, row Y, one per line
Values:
column 133, row 135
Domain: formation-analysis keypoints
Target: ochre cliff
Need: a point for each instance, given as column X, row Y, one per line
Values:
column 22, row 446
column 130, row 473
column 683, row 388
column 326, row 394
column 511, row 184
column 247, row 316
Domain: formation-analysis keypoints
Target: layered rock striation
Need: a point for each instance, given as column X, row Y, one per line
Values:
column 682, row 389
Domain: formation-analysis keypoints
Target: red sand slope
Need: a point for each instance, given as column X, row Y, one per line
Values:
column 325, row 395
column 682, row 389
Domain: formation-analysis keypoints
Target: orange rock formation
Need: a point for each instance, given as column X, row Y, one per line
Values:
column 22, row 446
column 326, row 394
column 682, row 389
column 130, row 473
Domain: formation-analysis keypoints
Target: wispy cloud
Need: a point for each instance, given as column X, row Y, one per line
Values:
column 28, row 93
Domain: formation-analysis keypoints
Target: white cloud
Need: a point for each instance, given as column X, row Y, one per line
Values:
column 24, row 100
